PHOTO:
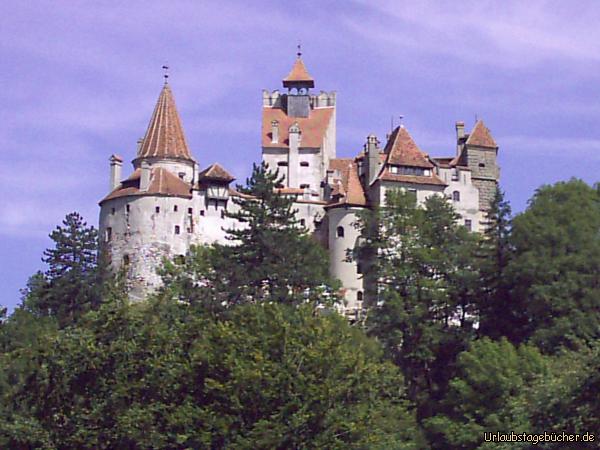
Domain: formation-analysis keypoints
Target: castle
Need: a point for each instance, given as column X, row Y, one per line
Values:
column 169, row 203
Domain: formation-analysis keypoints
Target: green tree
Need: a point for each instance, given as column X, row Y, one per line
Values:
column 156, row 375
column 72, row 283
column 499, row 314
column 427, row 285
column 491, row 377
column 555, row 271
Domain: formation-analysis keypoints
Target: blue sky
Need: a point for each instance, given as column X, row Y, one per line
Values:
column 80, row 80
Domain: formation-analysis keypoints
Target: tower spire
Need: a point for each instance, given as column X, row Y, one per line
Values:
column 165, row 137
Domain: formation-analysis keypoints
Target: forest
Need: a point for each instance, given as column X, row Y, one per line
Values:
column 463, row 335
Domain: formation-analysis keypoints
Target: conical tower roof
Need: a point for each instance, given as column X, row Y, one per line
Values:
column 481, row 136
column 298, row 75
column 164, row 137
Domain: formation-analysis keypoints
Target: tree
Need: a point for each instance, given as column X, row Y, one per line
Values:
column 72, row 283
column 491, row 377
column 426, row 284
column 499, row 314
column 555, row 271
column 270, row 257
column 157, row 375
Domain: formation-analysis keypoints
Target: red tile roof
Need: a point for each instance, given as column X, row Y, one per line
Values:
column 481, row 136
column 402, row 150
column 164, row 137
column 313, row 127
column 298, row 74
column 216, row 172
column 349, row 190
column 162, row 182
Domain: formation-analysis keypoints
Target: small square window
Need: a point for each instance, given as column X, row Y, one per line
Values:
column 157, row 209
column 303, row 222
column 174, row 208
column 468, row 224
column 190, row 210
column 202, row 212
column 177, row 229
column 181, row 175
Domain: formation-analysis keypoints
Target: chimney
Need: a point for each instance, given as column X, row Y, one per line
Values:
column 116, row 163
column 372, row 157
column 274, row 132
column 293, row 155
column 460, row 136
column 145, row 178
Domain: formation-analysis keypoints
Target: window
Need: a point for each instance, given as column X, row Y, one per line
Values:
column 125, row 260
column 177, row 230
column 282, row 163
column 427, row 172
column 108, row 234
column 302, row 222
column 394, row 169
column 481, row 164
column 181, row 175
column 202, row 212
column 468, row 224
column 112, row 211
column 359, row 296
column 127, row 208
column 190, row 210
column 304, row 164
column 305, row 186
column 456, row 196
column 174, row 208
column 340, row 232
column 455, row 175
column 157, row 209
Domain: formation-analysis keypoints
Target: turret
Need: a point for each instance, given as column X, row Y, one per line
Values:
column 298, row 83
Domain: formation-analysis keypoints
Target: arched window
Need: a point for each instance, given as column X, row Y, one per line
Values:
column 456, row 196
column 340, row 232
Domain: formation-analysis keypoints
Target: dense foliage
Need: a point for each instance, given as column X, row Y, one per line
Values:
column 465, row 334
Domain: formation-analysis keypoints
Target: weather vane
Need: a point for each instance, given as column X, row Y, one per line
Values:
column 166, row 75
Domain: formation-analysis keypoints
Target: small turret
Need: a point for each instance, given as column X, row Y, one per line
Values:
column 298, row 83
